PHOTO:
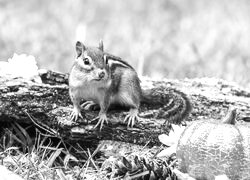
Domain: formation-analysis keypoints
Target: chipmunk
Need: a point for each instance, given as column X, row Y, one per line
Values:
column 99, row 78
column 102, row 79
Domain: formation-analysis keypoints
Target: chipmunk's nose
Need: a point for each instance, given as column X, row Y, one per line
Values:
column 101, row 74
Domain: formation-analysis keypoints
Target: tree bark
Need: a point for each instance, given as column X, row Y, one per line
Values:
column 48, row 105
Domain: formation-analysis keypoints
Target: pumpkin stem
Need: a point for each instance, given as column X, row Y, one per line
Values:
column 231, row 117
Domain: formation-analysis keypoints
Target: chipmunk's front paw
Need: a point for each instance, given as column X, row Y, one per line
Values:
column 75, row 114
column 89, row 105
column 132, row 117
column 102, row 118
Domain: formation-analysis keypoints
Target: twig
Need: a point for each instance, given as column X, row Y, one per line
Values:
column 45, row 128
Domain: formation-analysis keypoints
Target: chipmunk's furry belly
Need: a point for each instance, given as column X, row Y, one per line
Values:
column 90, row 92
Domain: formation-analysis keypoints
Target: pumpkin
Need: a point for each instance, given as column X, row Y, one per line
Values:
column 207, row 149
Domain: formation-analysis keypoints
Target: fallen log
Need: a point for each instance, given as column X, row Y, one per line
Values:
column 47, row 104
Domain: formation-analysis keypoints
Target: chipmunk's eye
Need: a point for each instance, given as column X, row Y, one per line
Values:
column 86, row 61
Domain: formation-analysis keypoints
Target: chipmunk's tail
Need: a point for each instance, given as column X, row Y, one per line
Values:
column 172, row 105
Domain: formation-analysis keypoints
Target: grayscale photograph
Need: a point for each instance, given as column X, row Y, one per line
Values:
column 125, row 90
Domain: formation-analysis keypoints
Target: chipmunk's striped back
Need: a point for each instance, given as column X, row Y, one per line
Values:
column 117, row 61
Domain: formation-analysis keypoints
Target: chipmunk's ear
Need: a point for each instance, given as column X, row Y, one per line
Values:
column 105, row 57
column 101, row 45
column 80, row 48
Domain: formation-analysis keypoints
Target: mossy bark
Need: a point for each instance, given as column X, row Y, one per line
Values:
column 48, row 104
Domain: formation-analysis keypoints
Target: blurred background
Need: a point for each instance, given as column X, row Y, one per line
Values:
column 162, row 38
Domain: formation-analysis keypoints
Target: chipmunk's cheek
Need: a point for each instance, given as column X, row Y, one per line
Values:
column 91, row 76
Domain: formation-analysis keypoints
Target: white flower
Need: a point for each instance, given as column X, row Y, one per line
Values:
column 170, row 140
column 23, row 65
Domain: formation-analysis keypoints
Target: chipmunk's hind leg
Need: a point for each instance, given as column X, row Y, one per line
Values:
column 130, row 96
column 132, row 117
column 90, row 105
